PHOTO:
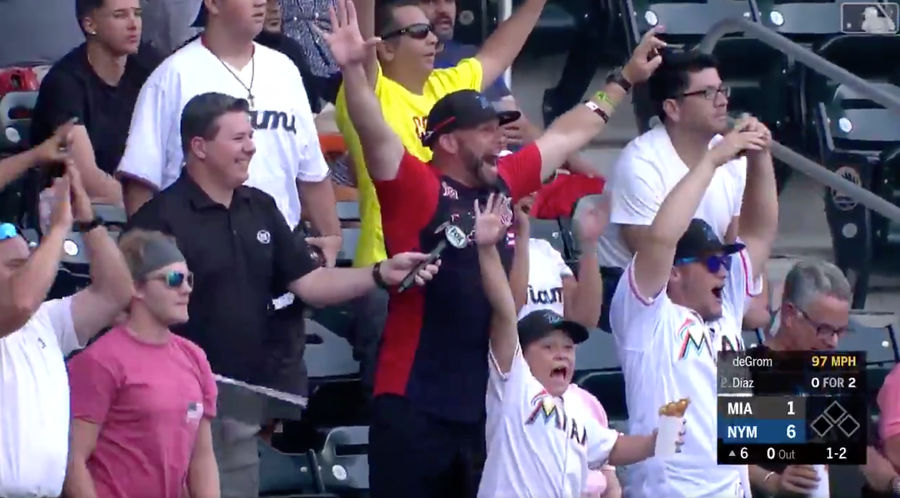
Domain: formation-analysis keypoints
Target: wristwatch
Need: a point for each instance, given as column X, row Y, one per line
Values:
column 376, row 276
column 616, row 76
column 87, row 226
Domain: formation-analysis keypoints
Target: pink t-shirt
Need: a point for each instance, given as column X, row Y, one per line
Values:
column 889, row 404
column 149, row 400
column 595, row 485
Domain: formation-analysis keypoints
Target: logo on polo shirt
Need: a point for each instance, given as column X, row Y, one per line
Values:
column 263, row 236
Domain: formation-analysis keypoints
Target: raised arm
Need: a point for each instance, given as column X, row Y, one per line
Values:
column 758, row 222
column 50, row 150
column 584, row 299
column 28, row 286
column 654, row 258
column 489, row 229
column 381, row 147
column 518, row 274
column 503, row 46
column 111, row 287
column 574, row 129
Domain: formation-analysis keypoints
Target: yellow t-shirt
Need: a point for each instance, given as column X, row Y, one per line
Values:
column 406, row 113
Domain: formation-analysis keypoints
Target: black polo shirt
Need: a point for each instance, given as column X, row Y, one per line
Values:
column 72, row 89
column 242, row 257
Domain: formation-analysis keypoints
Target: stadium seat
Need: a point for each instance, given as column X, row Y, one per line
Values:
column 343, row 461
column 598, row 371
column 752, row 338
column 874, row 334
column 15, row 120
column 348, row 211
column 327, row 355
column 284, row 474
column 851, row 134
column 350, row 236
column 550, row 231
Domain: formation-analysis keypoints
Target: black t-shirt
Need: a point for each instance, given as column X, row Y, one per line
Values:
column 242, row 257
column 72, row 89
column 318, row 89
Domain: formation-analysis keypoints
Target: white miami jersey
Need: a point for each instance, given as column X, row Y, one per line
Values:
column 668, row 353
column 538, row 445
column 546, row 270
column 287, row 144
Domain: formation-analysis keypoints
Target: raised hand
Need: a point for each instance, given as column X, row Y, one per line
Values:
column 345, row 40
column 81, row 202
column 590, row 222
column 61, row 211
column 745, row 137
column 56, row 148
column 489, row 225
column 645, row 58
column 521, row 220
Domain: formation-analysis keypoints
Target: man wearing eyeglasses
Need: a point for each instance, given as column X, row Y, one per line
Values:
column 682, row 291
column 36, row 335
column 691, row 103
column 815, row 313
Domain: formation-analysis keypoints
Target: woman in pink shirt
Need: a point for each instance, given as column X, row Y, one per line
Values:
column 143, row 397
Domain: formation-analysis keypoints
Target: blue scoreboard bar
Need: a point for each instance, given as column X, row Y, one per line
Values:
column 792, row 408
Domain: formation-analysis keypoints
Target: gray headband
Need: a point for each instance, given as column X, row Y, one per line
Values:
column 158, row 252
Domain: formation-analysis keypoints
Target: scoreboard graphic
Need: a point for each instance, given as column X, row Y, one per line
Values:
column 792, row 408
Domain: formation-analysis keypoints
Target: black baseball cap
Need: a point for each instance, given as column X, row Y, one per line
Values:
column 700, row 240
column 462, row 110
column 537, row 324
column 202, row 16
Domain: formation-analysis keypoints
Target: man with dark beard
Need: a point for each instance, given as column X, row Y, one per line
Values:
column 427, row 433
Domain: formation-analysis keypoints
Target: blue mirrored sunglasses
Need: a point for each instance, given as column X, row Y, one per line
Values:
column 713, row 262
column 8, row 231
column 174, row 279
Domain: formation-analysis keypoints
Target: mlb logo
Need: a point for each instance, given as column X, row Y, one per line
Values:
column 194, row 411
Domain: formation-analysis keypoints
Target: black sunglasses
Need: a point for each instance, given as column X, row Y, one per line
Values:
column 174, row 279
column 710, row 93
column 713, row 262
column 417, row 31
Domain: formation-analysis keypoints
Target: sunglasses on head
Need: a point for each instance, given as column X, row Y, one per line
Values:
column 417, row 31
column 174, row 279
column 713, row 262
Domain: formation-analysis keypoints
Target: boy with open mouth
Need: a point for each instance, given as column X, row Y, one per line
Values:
column 538, row 444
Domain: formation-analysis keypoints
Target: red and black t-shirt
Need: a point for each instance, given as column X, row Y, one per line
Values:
column 435, row 345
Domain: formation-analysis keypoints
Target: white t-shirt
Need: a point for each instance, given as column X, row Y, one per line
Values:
column 667, row 354
column 538, row 445
column 546, row 270
column 647, row 170
column 34, row 402
column 287, row 143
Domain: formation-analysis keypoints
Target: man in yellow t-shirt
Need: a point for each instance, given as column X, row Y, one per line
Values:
column 407, row 86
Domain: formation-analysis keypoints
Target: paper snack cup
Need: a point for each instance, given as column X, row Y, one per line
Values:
column 667, row 436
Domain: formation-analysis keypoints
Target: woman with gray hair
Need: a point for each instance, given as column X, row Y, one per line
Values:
column 143, row 397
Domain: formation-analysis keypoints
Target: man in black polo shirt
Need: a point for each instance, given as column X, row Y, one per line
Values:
column 427, row 432
column 243, row 254
column 815, row 313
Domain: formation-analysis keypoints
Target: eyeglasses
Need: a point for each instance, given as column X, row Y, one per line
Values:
column 713, row 262
column 8, row 231
column 417, row 31
column 710, row 93
column 823, row 329
column 174, row 279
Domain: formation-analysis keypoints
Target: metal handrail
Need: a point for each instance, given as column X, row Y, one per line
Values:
column 826, row 68
column 802, row 54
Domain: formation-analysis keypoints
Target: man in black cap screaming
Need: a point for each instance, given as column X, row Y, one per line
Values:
column 427, row 432
column 683, row 290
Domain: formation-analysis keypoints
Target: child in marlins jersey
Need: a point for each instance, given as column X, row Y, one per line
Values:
column 537, row 444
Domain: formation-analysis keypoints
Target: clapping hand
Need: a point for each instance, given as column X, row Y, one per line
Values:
column 489, row 225
column 56, row 148
column 345, row 40
column 747, row 136
column 645, row 58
